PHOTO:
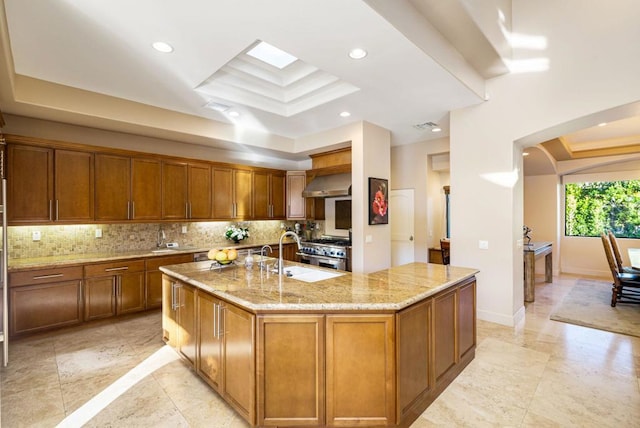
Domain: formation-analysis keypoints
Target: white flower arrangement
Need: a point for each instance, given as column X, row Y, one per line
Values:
column 236, row 233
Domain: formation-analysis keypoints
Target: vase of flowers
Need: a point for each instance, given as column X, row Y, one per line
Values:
column 236, row 233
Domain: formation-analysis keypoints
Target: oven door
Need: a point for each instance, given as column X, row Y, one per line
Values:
column 327, row 262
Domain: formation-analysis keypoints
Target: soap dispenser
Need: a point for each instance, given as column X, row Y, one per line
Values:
column 248, row 261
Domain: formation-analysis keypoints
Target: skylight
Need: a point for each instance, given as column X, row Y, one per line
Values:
column 272, row 55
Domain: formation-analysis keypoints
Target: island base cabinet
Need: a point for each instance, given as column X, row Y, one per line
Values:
column 291, row 370
column 360, row 370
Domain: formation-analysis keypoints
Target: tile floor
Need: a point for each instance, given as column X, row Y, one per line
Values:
column 541, row 374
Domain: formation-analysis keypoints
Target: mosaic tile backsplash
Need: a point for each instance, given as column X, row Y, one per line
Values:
column 81, row 239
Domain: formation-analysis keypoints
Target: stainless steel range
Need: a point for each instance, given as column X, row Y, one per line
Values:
column 328, row 251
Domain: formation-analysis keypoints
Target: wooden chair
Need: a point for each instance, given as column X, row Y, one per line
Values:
column 626, row 286
column 618, row 257
column 444, row 247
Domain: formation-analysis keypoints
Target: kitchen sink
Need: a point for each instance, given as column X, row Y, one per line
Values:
column 309, row 275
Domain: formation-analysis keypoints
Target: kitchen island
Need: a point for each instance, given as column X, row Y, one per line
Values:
column 352, row 350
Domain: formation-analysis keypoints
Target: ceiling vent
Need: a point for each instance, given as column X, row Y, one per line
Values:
column 425, row 125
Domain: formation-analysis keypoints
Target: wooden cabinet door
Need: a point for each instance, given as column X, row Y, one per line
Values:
column 130, row 292
column 199, row 191
column 290, row 370
column 74, row 186
column 146, row 189
column 187, row 322
column 99, row 297
column 360, row 367
column 169, row 311
column 39, row 307
column 296, row 204
column 261, row 199
column 223, row 207
column 154, row 293
column 210, row 341
column 30, row 184
column 239, row 360
column 242, row 193
column 112, row 187
column 278, row 196
column 466, row 318
column 413, row 341
column 444, row 327
column 174, row 190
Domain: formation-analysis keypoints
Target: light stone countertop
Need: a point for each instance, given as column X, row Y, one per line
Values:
column 259, row 291
column 85, row 258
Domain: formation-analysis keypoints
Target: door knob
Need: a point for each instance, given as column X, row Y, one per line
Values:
column 411, row 238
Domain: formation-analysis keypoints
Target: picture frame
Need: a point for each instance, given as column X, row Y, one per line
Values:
column 378, row 201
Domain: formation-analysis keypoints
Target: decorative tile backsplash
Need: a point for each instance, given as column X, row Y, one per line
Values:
column 81, row 239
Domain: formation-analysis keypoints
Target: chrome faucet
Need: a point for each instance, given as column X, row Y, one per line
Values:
column 262, row 253
column 160, row 237
column 280, row 262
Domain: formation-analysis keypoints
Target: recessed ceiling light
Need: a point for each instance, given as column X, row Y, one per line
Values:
column 271, row 55
column 602, row 124
column 345, row 114
column 436, row 129
column 234, row 113
column 162, row 47
column 357, row 53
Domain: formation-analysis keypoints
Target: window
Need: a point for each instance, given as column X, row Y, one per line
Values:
column 595, row 207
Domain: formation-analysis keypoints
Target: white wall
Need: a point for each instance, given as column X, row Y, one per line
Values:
column 542, row 213
column 590, row 69
column 411, row 169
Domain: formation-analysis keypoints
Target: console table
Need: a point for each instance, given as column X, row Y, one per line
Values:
column 532, row 251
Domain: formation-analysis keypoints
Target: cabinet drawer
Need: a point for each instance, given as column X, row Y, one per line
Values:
column 43, row 276
column 114, row 268
column 156, row 262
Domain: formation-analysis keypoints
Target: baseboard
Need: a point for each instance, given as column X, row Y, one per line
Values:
column 497, row 318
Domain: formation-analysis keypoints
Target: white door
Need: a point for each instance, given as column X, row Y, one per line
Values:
column 401, row 218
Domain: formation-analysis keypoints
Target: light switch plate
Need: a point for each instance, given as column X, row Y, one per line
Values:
column 483, row 245
column 184, row 229
column 36, row 235
column 98, row 233
column 368, row 238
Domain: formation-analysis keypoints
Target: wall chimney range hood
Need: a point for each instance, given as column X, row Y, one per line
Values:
column 329, row 186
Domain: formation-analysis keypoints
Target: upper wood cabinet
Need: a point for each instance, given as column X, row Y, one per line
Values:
column 30, row 182
column 174, row 190
column 199, row 191
column 113, row 187
column 296, row 204
column 48, row 185
column 268, row 195
column 186, row 191
column 146, row 189
column 232, row 193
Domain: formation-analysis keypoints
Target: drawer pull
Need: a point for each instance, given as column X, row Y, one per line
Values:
column 55, row 275
column 116, row 269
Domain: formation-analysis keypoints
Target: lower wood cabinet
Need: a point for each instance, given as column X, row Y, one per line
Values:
column 324, row 369
column 153, row 277
column 291, row 370
column 113, row 288
column 360, row 378
column 226, row 352
column 43, row 299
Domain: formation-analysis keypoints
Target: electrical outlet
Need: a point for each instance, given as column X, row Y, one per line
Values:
column 184, row 229
column 483, row 245
column 36, row 235
column 98, row 233
column 368, row 238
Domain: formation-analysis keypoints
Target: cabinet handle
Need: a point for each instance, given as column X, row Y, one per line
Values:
column 57, row 209
column 173, row 296
column 186, row 210
column 50, row 210
column 133, row 210
column 219, row 328
column 128, row 210
column 215, row 317
column 190, row 210
column 55, row 275
column 116, row 268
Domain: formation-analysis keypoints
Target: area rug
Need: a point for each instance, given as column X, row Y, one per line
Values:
column 589, row 304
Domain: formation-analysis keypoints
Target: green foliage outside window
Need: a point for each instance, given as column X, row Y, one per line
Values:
column 592, row 208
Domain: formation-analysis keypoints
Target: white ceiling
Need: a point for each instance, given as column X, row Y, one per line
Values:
column 104, row 47
column 90, row 62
